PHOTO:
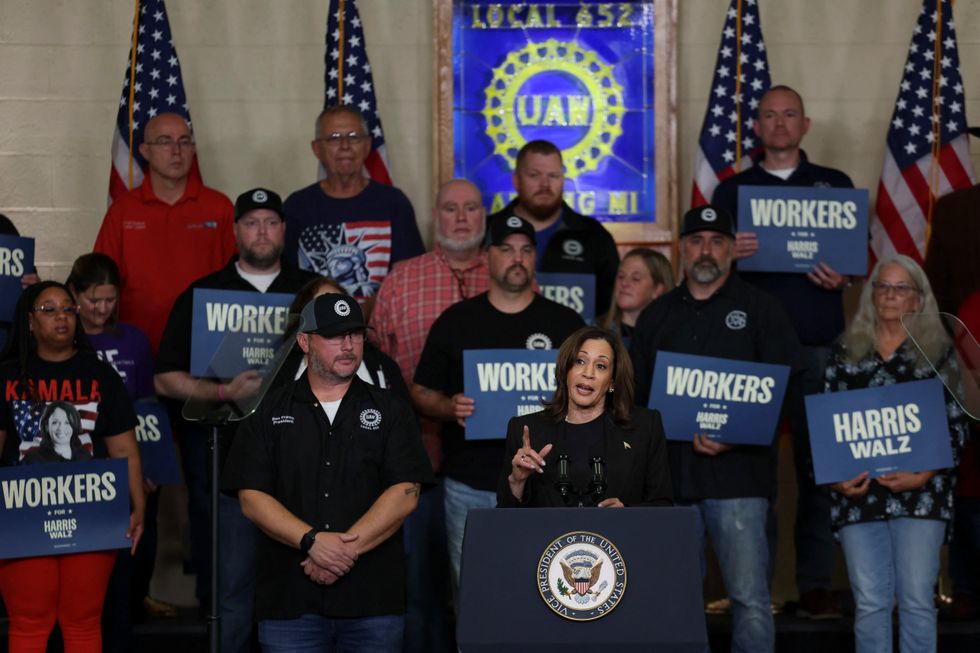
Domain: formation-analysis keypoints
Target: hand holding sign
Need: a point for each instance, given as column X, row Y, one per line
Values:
column 462, row 407
column 135, row 530
column 826, row 277
column 527, row 460
column 855, row 488
column 904, row 481
column 705, row 445
column 746, row 244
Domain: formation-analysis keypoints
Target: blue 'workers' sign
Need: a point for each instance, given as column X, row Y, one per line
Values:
column 800, row 226
column 236, row 330
column 576, row 291
column 505, row 383
column 735, row 402
column 898, row 427
column 16, row 260
column 61, row 508
column 156, row 442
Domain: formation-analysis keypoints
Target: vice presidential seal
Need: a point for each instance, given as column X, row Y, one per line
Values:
column 581, row 576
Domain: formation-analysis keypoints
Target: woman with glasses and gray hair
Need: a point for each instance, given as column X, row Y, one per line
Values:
column 891, row 527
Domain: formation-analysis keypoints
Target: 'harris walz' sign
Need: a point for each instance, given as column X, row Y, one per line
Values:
column 799, row 227
column 578, row 74
column 505, row 383
column 16, row 260
column 576, row 291
column 235, row 330
column 731, row 401
column 898, row 427
column 60, row 508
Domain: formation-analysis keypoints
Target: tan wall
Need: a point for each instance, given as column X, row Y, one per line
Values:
column 253, row 71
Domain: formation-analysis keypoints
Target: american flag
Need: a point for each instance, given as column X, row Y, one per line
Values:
column 154, row 87
column 727, row 144
column 357, row 254
column 927, row 153
column 349, row 81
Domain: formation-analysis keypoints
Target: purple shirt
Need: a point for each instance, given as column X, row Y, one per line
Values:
column 126, row 348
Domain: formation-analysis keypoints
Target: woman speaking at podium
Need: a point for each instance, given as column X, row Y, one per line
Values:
column 590, row 446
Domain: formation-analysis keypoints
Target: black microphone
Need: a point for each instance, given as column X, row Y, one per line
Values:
column 564, row 483
column 597, row 487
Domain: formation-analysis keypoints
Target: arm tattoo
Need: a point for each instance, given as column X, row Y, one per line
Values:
column 415, row 489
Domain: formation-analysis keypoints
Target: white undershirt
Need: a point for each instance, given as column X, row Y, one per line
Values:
column 783, row 174
column 260, row 281
column 330, row 408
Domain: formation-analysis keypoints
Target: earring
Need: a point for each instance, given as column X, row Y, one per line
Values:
column 611, row 390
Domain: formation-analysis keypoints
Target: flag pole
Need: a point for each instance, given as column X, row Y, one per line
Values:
column 132, row 89
column 340, row 52
column 937, row 128
column 738, row 89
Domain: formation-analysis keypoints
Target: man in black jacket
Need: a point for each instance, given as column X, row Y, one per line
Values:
column 566, row 241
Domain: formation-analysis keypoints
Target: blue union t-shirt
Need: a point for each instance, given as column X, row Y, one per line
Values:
column 355, row 240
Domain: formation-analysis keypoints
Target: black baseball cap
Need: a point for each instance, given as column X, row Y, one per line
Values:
column 258, row 198
column 499, row 229
column 708, row 218
column 331, row 314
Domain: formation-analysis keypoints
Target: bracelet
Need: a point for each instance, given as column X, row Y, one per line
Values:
column 221, row 392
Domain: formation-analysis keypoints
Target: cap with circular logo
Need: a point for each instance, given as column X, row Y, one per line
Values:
column 502, row 227
column 331, row 314
column 258, row 198
column 708, row 218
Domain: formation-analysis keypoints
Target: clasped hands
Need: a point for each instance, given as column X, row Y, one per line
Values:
column 896, row 482
column 332, row 555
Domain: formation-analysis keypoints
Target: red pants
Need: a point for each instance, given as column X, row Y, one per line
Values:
column 69, row 588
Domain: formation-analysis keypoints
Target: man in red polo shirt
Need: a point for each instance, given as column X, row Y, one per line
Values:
column 168, row 231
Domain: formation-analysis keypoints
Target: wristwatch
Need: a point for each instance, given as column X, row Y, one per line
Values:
column 306, row 543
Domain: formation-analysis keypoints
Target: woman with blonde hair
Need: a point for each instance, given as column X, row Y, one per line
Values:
column 891, row 527
column 644, row 274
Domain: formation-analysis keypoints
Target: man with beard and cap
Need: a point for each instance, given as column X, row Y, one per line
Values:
column 566, row 241
column 259, row 230
column 510, row 315
column 714, row 313
column 413, row 295
column 328, row 467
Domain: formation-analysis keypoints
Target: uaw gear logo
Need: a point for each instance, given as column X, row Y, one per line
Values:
column 736, row 320
column 709, row 215
column 341, row 308
column 514, row 222
column 371, row 419
column 562, row 92
column 581, row 576
column 538, row 341
column 259, row 196
column 572, row 248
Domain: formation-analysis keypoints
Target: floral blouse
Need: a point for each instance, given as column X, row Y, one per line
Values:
column 934, row 500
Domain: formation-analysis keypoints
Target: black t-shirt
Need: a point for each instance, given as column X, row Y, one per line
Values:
column 679, row 323
column 817, row 314
column 582, row 443
column 175, row 344
column 475, row 324
column 328, row 475
column 82, row 395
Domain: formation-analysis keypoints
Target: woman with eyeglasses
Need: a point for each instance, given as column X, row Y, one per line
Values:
column 891, row 527
column 47, row 361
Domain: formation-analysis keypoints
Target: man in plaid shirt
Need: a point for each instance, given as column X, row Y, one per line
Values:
column 413, row 295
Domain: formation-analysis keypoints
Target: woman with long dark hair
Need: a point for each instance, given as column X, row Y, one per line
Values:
column 591, row 416
column 47, row 360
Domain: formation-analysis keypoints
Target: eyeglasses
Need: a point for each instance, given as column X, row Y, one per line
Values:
column 50, row 311
column 356, row 337
column 183, row 143
column 336, row 138
column 900, row 289
column 253, row 224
